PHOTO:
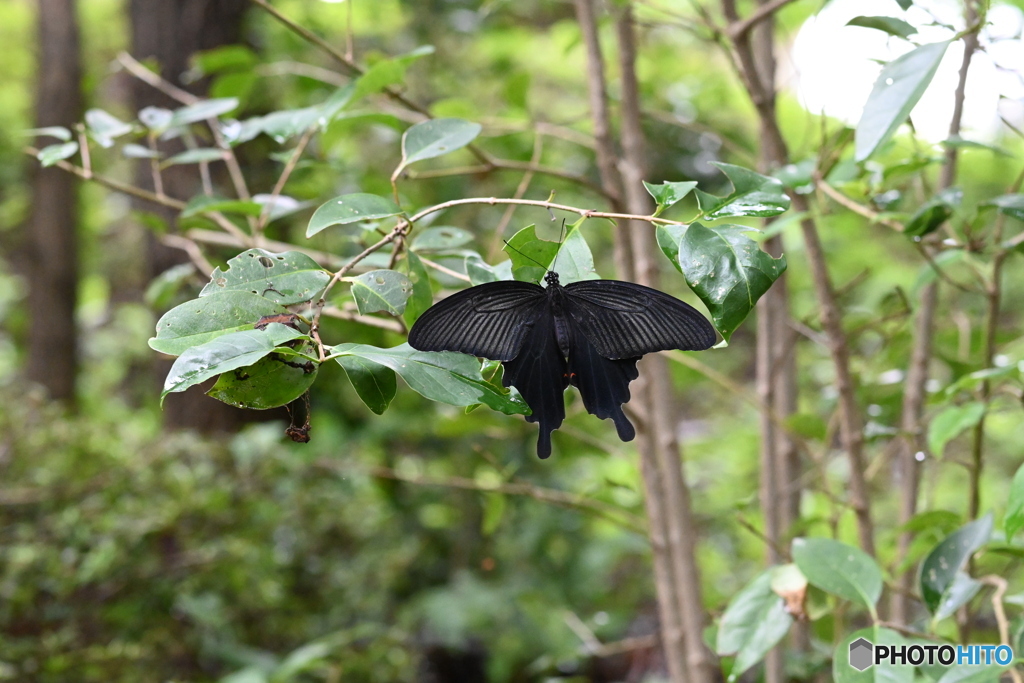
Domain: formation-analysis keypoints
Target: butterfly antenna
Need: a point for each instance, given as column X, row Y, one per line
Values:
column 524, row 255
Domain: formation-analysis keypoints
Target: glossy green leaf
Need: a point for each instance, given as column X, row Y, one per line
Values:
column 202, row 203
column 755, row 620
column 890, row 25
column 51, row 154
column 59, row 132
column 934, row 212
column 531, row 256
column 104, row 127
column 842, row 672
column 957, row 595
column 436, row 137
column 939, row 569
column 375, row 383
column 381, row 290
column 753, row 195
column 441, row 238
column 202, row 110
column 951, row 423
column 839, row 569
column 287, row 278
column 195, row 156
column 899, row 87
column 351, row 208
column 574, row 261
column 452, row 378
column 724, row 267
column 1010, row 204
column 667, row 194
column 200, row 320
column 422, row 296
column 223, row 354
column 1014, row 519
column 270, row 382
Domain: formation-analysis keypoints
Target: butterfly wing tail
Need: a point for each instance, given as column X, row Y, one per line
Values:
column 603, row 383
column 539, row 373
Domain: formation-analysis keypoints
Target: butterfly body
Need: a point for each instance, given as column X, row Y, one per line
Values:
column 589, row 334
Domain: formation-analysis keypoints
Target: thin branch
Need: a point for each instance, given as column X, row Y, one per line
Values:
column 738, row 29
column 220, row 239
column 293, row 161
column 586, row 213
column 383, row 323
column 1000, row 585
column 441, row 269
column 856, row 207
column 524, row 185
column 195, row 254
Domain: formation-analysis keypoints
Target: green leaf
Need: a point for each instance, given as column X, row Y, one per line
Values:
column 973, row 674
column 842, row 672
column 200, row 320
column 436, row 137
column 422, row 296
column 479, row 271
column 51, row 154
column 452, row 378
column 165, row 286
column 156, row 119
column 934, row 212
column 441, row 238
column 388, row 72
column 939, row 569
column 351, row 208
column 375, row 383
column 223, row 354
column 133, row 151
column 270, row 382
column 280, row 205
column 755, row 620
column 899, row 87
column 905, row 4
column 957, row 142
column 753, row 195
column 287, row 278
column 104, row 127
column 574, row 261
column 203, row 203
column 839, row 569
column 1010, row 204
column 59, row 132
column 226, row 58
column 1014, row 519
column 201, row 111
column 531, row 256
column 724, row 267
column 890, row 25
column 667, row 194
column 952, row 422
column 381, row 290
column 195, row 156
column 957, row 595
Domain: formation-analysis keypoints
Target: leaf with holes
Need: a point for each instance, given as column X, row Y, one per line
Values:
column 375, row 383
column 939, row 569
column 351, row 208
column 436, row 137
column 381, row 290
column 270, row 382
column 839, row 569
column 753, row 195
column 224, row 354
column 452, row 378
column 898, row 89
column 724, row 267
column 287, row 278
column 755, row 620
column 200, row 320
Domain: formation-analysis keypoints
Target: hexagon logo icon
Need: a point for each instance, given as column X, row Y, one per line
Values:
column 861, row 652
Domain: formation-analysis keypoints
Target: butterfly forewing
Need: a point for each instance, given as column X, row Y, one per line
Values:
column 626, row 320
column 489, row 320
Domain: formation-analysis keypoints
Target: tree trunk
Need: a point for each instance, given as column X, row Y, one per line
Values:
column 52, row 250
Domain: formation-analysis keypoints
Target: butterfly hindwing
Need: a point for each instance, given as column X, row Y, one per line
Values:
column 539, row 373
column 489, row 320
column 603, row 383
column 626, row 320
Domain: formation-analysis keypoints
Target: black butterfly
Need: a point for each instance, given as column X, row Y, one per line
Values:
column 589, row 334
